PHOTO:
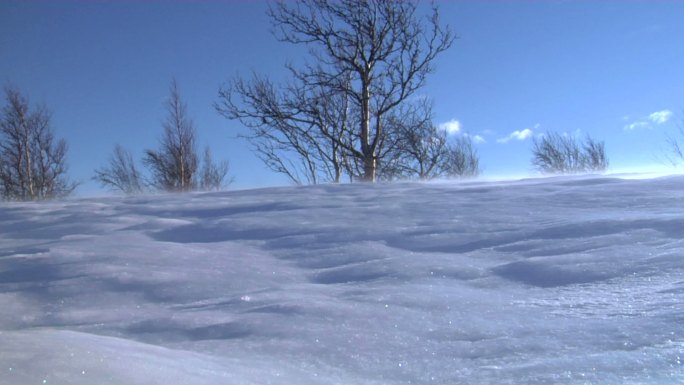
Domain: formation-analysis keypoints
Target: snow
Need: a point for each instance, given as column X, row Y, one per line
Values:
column 568, row 280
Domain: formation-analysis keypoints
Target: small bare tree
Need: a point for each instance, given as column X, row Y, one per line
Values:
column 423, row 151
column 461, row 159
column 121, row 174
column 32, row 161
column 554, row 153
column 676, row 148
column 213, row 175
column 373, row 55
column 174, row 167
column 675, row 142
column 419, row 146
column 174, row 164
column 595, row 158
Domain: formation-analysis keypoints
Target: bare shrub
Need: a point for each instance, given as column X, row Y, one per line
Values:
column 555, row 153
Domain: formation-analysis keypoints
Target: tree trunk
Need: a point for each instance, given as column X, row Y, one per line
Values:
column 369, row 167
column 367, row 149
column 29, row 166
column 182, row 172
column 336, row 164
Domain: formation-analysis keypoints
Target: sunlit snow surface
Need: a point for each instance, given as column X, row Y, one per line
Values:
column 551, row 281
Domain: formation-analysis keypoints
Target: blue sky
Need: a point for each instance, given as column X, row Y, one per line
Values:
column 612, row 69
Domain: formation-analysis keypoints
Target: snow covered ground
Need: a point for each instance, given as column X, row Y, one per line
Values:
column 541, row 281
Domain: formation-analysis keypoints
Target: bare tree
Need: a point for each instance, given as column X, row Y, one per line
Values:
column 213, row 175
column 675, row 142
column 429, row 153
column 461, row 159
column 421, row 150
column 410, row 146
column 32, row 161
column 676, row 148
column 554, row 153
column 174, row 164
column 372, row 55
column 594, row 155
column 121, row 174
column 297, row 131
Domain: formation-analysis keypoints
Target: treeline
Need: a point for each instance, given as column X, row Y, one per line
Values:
column 33, row 162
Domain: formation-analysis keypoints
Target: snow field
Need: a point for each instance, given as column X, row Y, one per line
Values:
column 541, row 281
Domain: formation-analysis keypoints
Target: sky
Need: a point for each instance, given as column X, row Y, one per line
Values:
column 610, row 69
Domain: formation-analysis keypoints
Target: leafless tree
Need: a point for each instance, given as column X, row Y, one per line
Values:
column 676, row 148
column 298, row 131
column 213, row 175
column 32, row 161
column 595, row 158
column 121, row 174
column 421, row 150
column 174, row 164
column 371, row 55
column 675, row 143
column 555, row 153
column 174, row 167
column 461, row 160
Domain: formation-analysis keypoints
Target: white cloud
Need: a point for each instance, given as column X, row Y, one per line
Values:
column 517, row 135
column 637, row 125
column 451, row 127
column 657, row 118
column 477, row 139
column 660, row 117
column 522, row 135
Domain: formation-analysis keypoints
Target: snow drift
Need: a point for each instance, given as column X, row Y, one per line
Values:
column 548, row 281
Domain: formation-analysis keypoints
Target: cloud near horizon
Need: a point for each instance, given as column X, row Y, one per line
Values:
column 517, row 135
column 655, row 118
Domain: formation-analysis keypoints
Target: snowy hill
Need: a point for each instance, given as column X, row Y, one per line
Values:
column 549, row 281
